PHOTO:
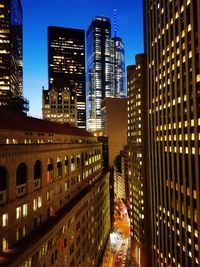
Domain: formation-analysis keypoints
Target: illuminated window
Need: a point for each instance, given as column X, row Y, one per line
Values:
column 4, row 219
column 4, row 244
column 18, row 213
column 25, row 210
column 39, row 202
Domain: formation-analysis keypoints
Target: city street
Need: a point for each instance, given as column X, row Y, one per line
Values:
column 117, row 252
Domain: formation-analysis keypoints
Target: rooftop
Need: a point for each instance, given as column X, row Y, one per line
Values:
column 19, row 122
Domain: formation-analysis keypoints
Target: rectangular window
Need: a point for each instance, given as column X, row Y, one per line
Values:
column 39, row 202
column 24, row 230
column 4, row 244
column 4, row 219
column 18, row 213
column 25, row 210
column 17, row 234
column 34, row 204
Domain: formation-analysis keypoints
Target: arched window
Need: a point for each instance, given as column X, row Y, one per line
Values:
column 3, row 178
column 66, row 165
column 78, row 161
column 21, row 174
column 49, row 170
column 72, row 163
column 37, row 170
column 86, row 158
column 59, row 167
column 21, row 179
column 37, row 174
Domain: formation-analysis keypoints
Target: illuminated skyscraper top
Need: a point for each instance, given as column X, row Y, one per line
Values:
column 11, row 69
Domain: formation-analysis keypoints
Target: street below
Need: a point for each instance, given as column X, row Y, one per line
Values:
column 117, row 253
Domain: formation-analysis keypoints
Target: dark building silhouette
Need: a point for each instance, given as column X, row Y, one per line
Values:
column 172, row 41
column 11, row 69
column 66, row 70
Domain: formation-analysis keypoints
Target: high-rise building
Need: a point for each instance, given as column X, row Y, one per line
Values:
column 99, row 69
column 66, row 68
column 11, row 69
column 54, row 195
column 137, row 161
column 172, row 42
column 119, row 67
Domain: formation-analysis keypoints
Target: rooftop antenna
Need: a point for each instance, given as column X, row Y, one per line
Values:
column 115, row 22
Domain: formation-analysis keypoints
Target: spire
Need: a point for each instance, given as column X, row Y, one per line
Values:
column 115, row 22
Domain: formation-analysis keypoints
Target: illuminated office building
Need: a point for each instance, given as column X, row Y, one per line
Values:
column 99, row 69
column 137, row 161
column 10, row 50
column 60, row 106
column 172, row 42
column 66, row 68
column 119, row 67
column 54, row 195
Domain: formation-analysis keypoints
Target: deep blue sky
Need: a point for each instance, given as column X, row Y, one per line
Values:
column 39, row 14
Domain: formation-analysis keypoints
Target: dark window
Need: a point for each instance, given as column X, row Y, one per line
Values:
column 21, row 174
column 37, row 170
column 3, row 178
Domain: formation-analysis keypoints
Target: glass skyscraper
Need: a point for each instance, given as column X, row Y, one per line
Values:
column 99, row 69
column 119, row 67
column 11, row 69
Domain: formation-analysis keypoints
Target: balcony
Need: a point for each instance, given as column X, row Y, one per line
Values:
column 37, row 183
column 21, row 190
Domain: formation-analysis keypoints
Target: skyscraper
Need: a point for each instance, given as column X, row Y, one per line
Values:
column 66, row 68
column 119, row 67
column 138, row 163
column 10, row 50
column 172, row 41
column 99, row 69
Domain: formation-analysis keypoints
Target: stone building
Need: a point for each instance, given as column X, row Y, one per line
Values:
column 54, row 198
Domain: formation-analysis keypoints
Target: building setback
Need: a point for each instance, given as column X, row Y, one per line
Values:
column 66, row 70
column 137, row 161
column 172, row 41
column 11, row 69
column 54, row 197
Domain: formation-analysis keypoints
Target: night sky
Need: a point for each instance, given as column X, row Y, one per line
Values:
column 38, row 15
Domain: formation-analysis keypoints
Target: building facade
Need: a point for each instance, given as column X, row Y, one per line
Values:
column 66, row 70
column 172, row 41
column 114, row 110
column 60, row 106
column 99, row 69
column 55, row 208
column 11, row 69
column 137, row 160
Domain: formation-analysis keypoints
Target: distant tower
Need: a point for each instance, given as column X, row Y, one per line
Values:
column 65, row 99
column 11, row 69
column 99, row 69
